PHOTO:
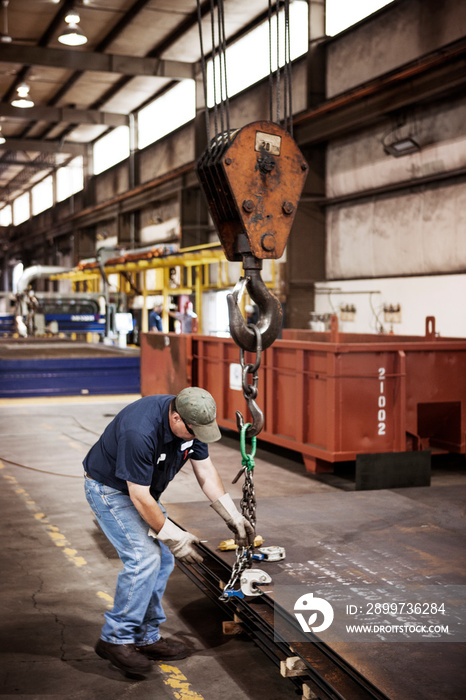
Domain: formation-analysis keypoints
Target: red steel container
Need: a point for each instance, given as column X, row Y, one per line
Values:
column 332, row 396
column 166, row 360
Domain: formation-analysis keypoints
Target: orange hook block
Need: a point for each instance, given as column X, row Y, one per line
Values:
column 253, row 178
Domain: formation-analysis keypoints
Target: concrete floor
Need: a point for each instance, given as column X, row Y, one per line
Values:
column 59, row 571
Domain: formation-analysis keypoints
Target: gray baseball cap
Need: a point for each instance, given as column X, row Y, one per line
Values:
column 197, row 407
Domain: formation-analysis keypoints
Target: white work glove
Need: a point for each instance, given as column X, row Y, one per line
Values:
column 179, row 542
column 244, row 531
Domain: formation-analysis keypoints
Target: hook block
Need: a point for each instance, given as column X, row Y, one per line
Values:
column 253, row 180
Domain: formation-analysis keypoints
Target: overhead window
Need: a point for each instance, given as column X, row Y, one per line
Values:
column 111, row 149
column 42, row 195
column 21, row 211
column 248, row 59
column 165, row 114
column 6, row 216
column 341, row 15
column 70, row 179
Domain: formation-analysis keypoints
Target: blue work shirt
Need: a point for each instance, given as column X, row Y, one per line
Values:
column 138, row 446
column 155, row 320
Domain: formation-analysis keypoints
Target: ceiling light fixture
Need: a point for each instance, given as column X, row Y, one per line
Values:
column 72, row 35
column 22, row 100
column 2, row 138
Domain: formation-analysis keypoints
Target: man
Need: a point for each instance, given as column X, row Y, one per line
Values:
column 127, row 470
column 188, row 319
column 155, row 318
column 252, row 314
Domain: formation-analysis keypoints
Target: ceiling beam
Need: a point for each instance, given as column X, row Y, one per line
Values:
column 435, row 76
column 71, row 59
column 35, row 145
column 64, row 114
column 33, row 164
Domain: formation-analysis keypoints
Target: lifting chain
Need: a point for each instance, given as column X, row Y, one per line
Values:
column 248, row 510
column 252, row 179
column 250, row 390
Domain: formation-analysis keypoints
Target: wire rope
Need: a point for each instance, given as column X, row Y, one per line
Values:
column 221, row 105
column 275, row 82
column 203, row 70
column 278, row 103
column 269, row 17
column 214, row 70
column 223, row 64
column 278, row 74
column 288, row 76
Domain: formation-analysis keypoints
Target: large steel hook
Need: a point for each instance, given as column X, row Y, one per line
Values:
column 270, row 312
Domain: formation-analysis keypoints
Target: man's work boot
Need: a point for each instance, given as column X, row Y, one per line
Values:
column 124, row 657
column 164, row 650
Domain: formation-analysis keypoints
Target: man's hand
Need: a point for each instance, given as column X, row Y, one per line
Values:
column 179, row 542
column 244, row 531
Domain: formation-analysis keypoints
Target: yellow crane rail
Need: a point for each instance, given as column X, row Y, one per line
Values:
column 202, row 268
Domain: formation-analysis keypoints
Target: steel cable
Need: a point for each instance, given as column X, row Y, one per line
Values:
column 223, row 63
column 221, row 106
column 273, row 13
column 214, row 73
column 203, row 69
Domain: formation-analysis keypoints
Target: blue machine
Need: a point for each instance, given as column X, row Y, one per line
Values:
column 71, row 316
column 112, row 374
column 7, row 324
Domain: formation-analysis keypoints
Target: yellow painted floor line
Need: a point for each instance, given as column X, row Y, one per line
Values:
column 53, row 532
column 172, row 676
column 178, row 682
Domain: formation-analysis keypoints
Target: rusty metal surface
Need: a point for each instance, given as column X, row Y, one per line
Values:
column 333, row 401
column 253, row 184
column 165, row 363
column 411, row 536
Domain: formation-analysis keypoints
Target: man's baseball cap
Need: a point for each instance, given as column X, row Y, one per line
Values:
column 197, row 407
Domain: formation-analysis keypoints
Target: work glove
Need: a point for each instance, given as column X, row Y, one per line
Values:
column 179, row 542
column 244, row 531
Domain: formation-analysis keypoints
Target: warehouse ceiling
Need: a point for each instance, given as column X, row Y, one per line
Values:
column 135, row 49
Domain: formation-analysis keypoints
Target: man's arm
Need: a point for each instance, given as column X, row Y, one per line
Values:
column 208, row 478
column 146, row 505
column 211, row 483
column 180, row 542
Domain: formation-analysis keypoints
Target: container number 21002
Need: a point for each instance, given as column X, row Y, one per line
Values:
column 382, row 413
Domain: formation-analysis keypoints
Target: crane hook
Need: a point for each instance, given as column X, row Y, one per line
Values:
column 270, row 312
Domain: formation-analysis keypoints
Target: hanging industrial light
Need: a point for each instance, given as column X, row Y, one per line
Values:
column 2, row 138
column 72, row 35
column 401, row 139
column 402, row 147
column 22, row 100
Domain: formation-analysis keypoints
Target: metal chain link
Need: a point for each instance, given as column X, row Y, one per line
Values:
column 248, row 510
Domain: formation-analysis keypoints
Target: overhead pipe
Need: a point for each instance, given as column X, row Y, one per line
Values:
column 36, row 272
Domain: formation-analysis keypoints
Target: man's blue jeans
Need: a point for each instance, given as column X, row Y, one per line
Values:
column 147, row 564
